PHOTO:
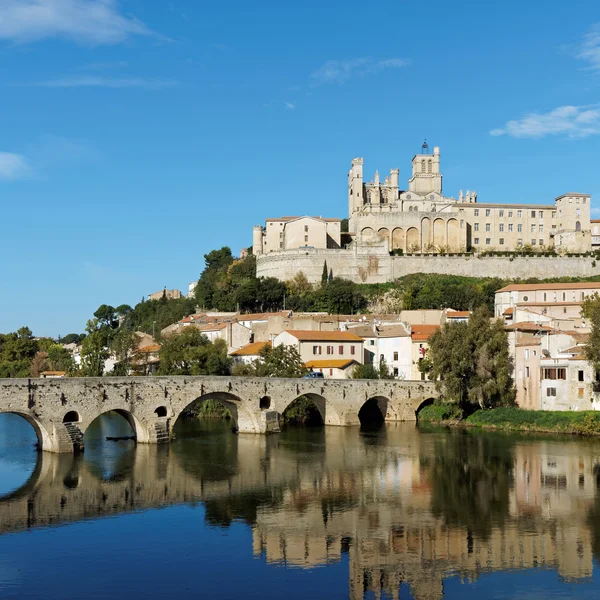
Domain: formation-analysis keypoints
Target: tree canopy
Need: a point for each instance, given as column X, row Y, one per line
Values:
column 471, row 363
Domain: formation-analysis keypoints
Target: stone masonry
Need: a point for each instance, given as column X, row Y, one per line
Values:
column 61, row 410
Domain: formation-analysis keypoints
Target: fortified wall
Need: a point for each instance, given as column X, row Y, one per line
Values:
column 374, row 265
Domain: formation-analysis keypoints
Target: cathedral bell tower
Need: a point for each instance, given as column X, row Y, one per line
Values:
column 426, row 176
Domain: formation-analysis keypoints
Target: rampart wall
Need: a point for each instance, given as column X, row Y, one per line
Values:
column 372, row 265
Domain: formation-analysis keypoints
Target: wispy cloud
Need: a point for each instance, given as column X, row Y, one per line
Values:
column 339, row 71
column 85, row 21
column 290, row 106
column 109, row 82
column 13, row 166
column 589, row 49
column 569, row 121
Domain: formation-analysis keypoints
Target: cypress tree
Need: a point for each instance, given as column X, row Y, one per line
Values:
column 325, row 274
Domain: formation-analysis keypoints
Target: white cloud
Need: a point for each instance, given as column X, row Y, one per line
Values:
column 339, row 71
column 589, row 50
column 570, row 121
column 87, row 21
column 13, row 166
column 109, row 82
column 290, row 106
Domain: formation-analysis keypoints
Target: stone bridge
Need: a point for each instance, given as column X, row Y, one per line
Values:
column 61, row 410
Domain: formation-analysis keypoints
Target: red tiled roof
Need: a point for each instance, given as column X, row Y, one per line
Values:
column 334, row 363
column 324, row 336
column 458, row 314
column 423, row 332
column 148, row 349
column 250, row 349
column 530, row 287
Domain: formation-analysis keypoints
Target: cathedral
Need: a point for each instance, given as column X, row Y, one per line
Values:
column 421, row 219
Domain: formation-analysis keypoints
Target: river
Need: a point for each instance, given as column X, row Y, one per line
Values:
column 324, row 512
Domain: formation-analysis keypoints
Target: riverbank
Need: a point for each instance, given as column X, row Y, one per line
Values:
column 515, row 419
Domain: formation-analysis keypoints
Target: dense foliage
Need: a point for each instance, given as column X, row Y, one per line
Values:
column 369, row 371
column 281, row 361
column 591, row 312
column 471, row 363
column 192, row 353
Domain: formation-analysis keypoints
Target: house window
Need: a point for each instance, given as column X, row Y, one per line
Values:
column 476, row 212
column 510, row 213
column 533, row 242
column 554, row 214
column 315, row 349
column 541, row 228
column 476, row 241
column 545, row 296
column 487, row 227
column 306, row 228
column 519, row 228
column 519, row 214
column 488, row 241
column 564, row 296
column 306, row 238
column 540, row 214
column 462, row 224
column 526, row 371
column 533, row 229
column 352, row 350
column 502, row 241
column 476, row 226
column 550, row 392
column 487, row 212
column 519, row 242
column 541, row 242
column 501, row 213
column 510, row 227
column 577, row 226
column 341, row 349
column 330, row 372
column 553, row 373
column 527, row 354
column 533, row 214
column 580, row 392
column 580, row 375
column 501, row 227
column 371, row 343
column 329, row 349
column 396, row 358
column 381, row 358
column 395, row 371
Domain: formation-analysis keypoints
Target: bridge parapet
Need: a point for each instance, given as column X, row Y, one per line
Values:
column 61, row 410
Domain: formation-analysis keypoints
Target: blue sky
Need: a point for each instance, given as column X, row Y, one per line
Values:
column 136, row 135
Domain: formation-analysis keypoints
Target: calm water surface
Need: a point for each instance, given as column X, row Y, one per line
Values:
column 310, row 513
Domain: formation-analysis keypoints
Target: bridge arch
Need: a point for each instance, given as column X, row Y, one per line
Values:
column 329, row 415
column 44, row 439
column 420, row 404
column 243, row 420
column 374, row 411
column 140, row 432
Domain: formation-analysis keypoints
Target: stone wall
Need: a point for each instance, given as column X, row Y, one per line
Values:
column 374, row 265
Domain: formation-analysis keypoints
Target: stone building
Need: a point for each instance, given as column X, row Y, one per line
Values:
column 421, row 219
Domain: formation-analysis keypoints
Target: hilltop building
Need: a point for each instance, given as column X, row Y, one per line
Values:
column 384, row 219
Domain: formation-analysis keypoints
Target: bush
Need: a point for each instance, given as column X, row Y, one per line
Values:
column 439, row 412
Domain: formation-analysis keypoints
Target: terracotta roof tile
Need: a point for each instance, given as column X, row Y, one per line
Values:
column 324, row 336
column 339, row 363
column 423, row 332
column 250, row 349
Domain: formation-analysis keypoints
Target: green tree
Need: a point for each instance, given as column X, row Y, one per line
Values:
column 60, row 359
column 192, row 353
column 93, row 350
column 344, row 226
column 369, row 371
column 281, row 361
column 471, row 363
column 340, row 296
column 325, row 275
column 17, row 351
column 106, row 316
column 122, row 345
column 214, row 274
column 591, row 312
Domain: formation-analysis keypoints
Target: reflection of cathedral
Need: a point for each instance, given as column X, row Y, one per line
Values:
column 376, row 499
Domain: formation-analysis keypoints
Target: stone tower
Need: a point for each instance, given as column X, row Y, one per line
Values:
column 355, row 189
column 426, row 176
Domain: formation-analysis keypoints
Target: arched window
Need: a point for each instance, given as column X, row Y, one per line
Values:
column 71, row 417
column 577, row 226
column 410, row 209
column 423, row 166
column 429, row 166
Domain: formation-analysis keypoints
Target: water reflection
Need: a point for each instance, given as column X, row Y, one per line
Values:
column 404, row 506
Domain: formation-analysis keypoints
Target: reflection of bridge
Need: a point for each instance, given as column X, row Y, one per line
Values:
column 368, row 497
column 61, row 410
